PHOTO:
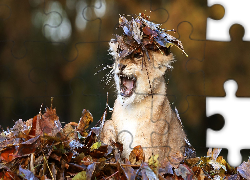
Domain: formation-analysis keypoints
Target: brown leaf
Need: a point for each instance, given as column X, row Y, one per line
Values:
column 100, row 152
column 73, row 124
column 90, row 170
column 50, row 114
column 129, row 172
column 149, row 32
column 20, row 129
column 166, row 167
column 148, row 173
column 234, row 177
column 35, row 127
column 68, row 156
column 213, row 153
column 244, row 169
column 49, row 123
column 9, row 153
column 29, row 146
column 87, row 160
column 85, row 120
column 8, row 175
column 69, row 132
column 132, row 157
column 90, row 139
column 118, row 145
column 184, row 171
column 55, row 156
column 192, row 161
column 198, row 172
column 137, row 156
column 27, row 174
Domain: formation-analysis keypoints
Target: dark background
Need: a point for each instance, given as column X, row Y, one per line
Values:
column 53, row 48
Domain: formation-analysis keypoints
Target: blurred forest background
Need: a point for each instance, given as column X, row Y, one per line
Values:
column 53, row 49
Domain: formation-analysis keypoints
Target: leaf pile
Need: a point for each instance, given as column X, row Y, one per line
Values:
column 40, row 148
column 141, row 35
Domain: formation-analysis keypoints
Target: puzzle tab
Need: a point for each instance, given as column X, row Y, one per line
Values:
column 235, row 111
column 235, row 13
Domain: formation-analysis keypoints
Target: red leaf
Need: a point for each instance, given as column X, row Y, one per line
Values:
column 9, row 153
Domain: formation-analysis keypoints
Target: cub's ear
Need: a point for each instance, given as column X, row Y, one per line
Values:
column 163, row 62
column 113, row 48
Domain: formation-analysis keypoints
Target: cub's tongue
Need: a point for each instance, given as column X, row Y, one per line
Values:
column 128, row 83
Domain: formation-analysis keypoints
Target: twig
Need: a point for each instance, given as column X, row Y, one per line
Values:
column 32, row 163
column 112, row 175
column 48, row 167
column 114, row 164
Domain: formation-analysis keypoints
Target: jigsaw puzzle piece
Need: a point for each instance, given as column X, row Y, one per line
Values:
column 15, row 99
column 181, row 74
column 235, row 13
column 24, row 21
column 235, row 111
column 190, row 12
column 223, row 61
column 228, row 60
column 13, row 23
column 165, row 117
column 5, row 12
column 88, row 28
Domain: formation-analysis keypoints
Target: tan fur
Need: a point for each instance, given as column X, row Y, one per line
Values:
column 145, row 119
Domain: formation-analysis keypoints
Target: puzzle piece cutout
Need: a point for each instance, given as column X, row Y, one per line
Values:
column 235, row 13
column 235, row 111
column 223, row 61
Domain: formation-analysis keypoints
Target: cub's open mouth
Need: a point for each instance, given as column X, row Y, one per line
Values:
column 127, row 85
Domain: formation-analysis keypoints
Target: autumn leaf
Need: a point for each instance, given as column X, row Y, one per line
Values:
column 140, row 33
column 85, row 120
column 90, row 170
column 148, row 173
column 87, row 160
column 47, row 123
column 9, row 153
column 184, row 171
column 29, row 146
column 80, row 176
column 136, row 155
column 198, row 172
column 27, row 174
column 213, row 153
column 95, row 146
column 69, row 131
column 216, row 165
column 244, row 169
column 153, row 162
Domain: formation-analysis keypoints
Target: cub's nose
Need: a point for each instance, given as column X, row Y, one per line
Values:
column 121, row 67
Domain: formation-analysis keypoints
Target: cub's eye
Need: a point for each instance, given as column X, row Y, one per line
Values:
column 137, row 55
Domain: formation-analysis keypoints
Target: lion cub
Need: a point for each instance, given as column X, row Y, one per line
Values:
column 142, row 114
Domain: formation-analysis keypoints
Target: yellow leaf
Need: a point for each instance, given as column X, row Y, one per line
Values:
column 80, row 176
column 153, row 161
column 95, row 146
